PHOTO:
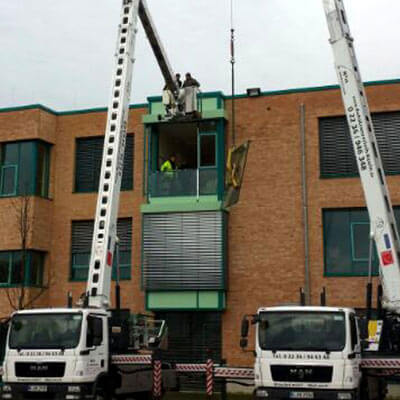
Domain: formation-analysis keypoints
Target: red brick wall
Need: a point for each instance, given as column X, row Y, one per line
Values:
column 266, row 240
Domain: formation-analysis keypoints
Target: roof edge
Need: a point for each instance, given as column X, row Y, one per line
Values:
column 205, row 94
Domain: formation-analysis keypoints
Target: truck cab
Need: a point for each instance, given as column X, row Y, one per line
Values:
column 55, row 353
column 306, row 353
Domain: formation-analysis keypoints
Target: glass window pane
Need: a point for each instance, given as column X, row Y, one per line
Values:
column 207, row 151
column 360, row 236
column 80, row 266
column 208, row 181
column 337, row 248
column 17, row 270
column 26, row 168
column 10, row 153
column 42, row 181
column 8, row 180
column 4, row 267
column 81, row 259
column 79, row 274
column 346, row 242
column 124, row 265
column 208, row 126
column 36, row 268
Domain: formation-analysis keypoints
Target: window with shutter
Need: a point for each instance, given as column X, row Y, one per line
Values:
column 336, row 153
column 88, row 156
column 81, row 244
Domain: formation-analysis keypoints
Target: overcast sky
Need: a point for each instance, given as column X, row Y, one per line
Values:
column 60, row 52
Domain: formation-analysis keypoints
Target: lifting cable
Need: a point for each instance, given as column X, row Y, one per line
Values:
column 232, row 61
column 231, row 168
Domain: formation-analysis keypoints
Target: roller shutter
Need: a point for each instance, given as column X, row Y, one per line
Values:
column 89, row 153
column 82, row 235
column 184, row 251
column 336, row 151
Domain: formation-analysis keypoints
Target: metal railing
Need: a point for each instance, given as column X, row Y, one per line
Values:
column 183, row 183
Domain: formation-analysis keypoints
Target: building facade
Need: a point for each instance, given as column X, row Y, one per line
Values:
column 300, row 221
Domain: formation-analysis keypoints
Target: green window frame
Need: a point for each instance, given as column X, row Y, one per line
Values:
column 81, row 243
column 11, row 274
column 30, row 162
column 346, row 242
column 88, row 157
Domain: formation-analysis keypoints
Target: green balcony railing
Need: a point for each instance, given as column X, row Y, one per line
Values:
column 184, row 182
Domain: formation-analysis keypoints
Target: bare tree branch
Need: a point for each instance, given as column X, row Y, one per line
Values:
column 18, row 297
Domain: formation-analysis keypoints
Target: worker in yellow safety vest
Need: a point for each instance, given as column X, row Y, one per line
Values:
column 167, row 176
column 169, row 165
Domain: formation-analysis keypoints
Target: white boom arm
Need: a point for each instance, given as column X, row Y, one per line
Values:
column 383, row 225
column 104, row 233
column 105, row 225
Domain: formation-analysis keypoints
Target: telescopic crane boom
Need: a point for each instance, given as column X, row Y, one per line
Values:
column 383, row 224
column 104, row 234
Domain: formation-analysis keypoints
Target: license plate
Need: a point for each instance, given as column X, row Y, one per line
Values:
column 37, row 388
column 301, row 395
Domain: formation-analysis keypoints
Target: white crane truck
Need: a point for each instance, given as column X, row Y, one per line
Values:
column 305, row 352
column 76, row 353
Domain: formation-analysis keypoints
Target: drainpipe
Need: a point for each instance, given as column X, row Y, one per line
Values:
column 307, row 277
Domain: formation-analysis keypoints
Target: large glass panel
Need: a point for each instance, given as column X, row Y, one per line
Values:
column 8, row 180
column 4, row 267
column 26, row 171
column 208, row 181
column 50, row 331
column 177, row 183
column 207, row 151
column 302, row 331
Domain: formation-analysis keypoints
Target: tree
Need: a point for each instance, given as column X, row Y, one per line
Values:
column 18, row 297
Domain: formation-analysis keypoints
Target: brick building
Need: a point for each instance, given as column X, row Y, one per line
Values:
column 183, row 256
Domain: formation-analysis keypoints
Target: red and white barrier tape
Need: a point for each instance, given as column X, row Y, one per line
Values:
column 157, row 379
column 380, row 363
column 209, row 377
column 131, row 359
column 190, row 367
column 238, row 373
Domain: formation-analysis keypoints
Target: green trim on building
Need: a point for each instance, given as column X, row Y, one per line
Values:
column 197, row 300
column 181, row 204
column 205, row 95
column 28, row 107
column 67, row 112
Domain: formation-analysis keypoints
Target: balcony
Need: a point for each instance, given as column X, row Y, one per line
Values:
column 184, row 183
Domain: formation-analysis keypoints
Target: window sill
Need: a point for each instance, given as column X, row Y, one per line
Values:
column 85, row 280
column 338, row 275
column 8, row 196
column 96, row 192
